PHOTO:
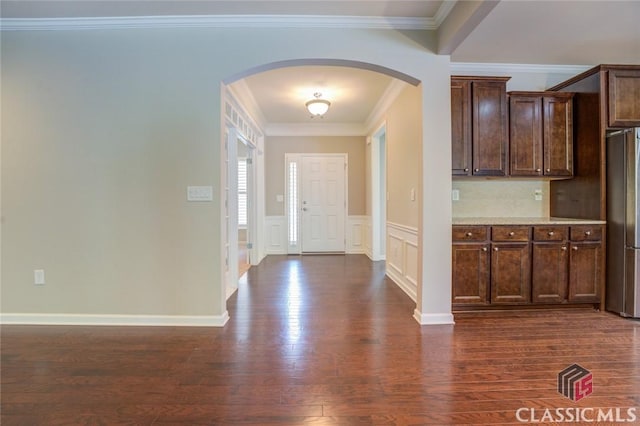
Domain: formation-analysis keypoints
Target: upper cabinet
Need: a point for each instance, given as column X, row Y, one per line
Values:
column 540, row 134
column 461, row 127
column 624, row 97
column 479, row 126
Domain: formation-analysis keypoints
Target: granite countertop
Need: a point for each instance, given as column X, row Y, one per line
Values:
column 524, row 221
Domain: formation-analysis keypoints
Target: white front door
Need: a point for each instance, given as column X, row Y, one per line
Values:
column 323, row 202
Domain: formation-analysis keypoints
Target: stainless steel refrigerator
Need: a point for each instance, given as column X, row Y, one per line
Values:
column 623, row 222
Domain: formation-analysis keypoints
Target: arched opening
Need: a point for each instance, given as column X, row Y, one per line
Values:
column 376, row 187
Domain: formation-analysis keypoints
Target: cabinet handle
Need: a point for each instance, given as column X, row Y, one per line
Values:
column 511, row 234
column 495, row 249
column 466, row 170
column 548, row 170
column 538, row 170
column 484, row 249
column 574, row 248
column 550, row 233
column 476, row 170
column 587, row 233
column 469, row 234
column 564, row 248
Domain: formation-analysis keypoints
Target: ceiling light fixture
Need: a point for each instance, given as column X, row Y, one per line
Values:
column 317, row 107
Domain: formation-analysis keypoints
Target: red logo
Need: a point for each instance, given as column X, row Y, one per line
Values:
column 575, row 382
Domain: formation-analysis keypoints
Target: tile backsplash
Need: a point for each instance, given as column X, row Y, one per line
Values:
column 501, row 197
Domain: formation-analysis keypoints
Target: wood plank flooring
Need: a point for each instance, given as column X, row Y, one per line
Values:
column 319, row 340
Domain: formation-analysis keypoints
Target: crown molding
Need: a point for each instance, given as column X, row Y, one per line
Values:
column 315, row 129
column 221, row 21
column 384, row 103
column 443, row 11
column 495, row 68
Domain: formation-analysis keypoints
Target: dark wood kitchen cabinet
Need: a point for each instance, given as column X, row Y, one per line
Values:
column 479, row 126
column 510, row 265
column 550, row 267
column 470, row 261
column 461, row 127
column 516, row 265
column 586, row 264
column 624, row 97
column 541, row 134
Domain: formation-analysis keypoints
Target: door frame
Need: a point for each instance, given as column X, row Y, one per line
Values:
column 293, row 205
column 379, row 192
column 230, row 207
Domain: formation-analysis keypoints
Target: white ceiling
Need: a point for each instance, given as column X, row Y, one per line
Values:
column 512, row 32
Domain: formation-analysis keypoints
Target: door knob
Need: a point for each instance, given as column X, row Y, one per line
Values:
column 304, row 209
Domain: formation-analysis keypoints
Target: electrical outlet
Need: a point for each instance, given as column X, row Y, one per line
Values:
column 537, row 195
column 455, row 195
column 38, row 276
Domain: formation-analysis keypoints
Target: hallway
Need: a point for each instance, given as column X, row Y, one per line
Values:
column 321, row 340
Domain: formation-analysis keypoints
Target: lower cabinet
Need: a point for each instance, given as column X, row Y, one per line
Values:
column 527, row 265
column 550, row 273
column 510, row 273
column 472, row 281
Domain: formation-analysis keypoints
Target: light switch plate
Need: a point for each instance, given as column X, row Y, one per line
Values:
column 38, row 276
column 199, row 193
column 280, row 198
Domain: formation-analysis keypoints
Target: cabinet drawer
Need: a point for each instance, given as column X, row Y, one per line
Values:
column 470, row 233
column 586, row 233
column 550, row 233
column 510, row 233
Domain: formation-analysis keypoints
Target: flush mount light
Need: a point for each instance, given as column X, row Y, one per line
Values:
column 317, row 107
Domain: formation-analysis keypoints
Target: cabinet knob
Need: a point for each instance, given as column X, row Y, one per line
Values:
column 511, row 234
column 469, row 234
column 587, row 233
column 550, row 233
column 564, row 248
column 538, row 170
column 574, row 248
column 495, row 249
column 548, row 170
column 476, row 170
column 466, row 170
column 484, row 249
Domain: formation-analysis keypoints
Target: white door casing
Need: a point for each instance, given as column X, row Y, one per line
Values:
column 323, row 203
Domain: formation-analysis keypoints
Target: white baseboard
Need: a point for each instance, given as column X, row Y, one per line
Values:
column 433, row 319
column 119, row 320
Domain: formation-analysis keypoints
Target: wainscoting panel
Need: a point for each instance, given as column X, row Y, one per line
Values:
column 402, row 257
column 275, row 228
column 356, row 237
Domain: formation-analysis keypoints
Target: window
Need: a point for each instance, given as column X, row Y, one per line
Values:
column 242, row 192
column 293, row 203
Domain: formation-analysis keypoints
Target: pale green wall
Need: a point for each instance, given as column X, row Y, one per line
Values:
column 102, row 130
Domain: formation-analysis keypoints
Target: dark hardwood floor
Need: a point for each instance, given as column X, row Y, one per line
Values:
column 318, row 340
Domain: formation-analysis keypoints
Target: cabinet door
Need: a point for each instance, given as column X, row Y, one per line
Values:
column 489, row 135
column 525, row 135
column 470, row 279
column 585, row 271
column 549, row 277
column 624, row 98
column 558, row 136
column 460, row 128
column 510, row 273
